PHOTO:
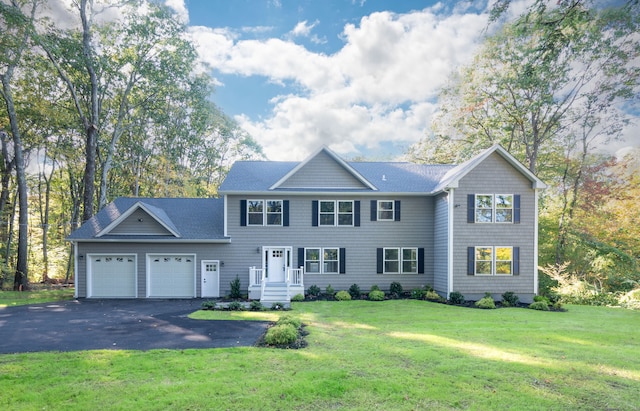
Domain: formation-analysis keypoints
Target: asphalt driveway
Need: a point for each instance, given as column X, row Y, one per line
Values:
column 118, row 324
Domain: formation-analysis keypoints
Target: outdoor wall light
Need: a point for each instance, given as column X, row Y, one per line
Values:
column 258, row 250
column 80, row 257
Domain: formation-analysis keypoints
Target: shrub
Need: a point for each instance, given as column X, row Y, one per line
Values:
column 395, row 289
column 376, row 295
column 354, row 291
column 281, row 334
column 314, row 291
column 539, row 305
column 235, row 288
column 343, row 296
column 329, row 290
column 486, row 302
column 298, row 297
column 375, row 288
column 456, row 297
column 418, row 293
column 510, row 299
column 289, row 319
column 209, row 305
column 235, row 306
column 434, row 296
column 277, row 306
column 541, row 299
column 256, row 306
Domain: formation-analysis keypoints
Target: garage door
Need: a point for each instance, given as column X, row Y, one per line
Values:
column 112, row 276
column 171, row 276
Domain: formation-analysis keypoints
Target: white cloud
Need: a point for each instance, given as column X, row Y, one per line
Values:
column 180, row 9
column 380, row 87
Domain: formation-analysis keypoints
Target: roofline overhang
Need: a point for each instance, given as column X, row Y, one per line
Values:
column 328, row 193
column 138, row 205
column 169, row 240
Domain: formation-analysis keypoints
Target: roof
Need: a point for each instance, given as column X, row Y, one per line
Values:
column 196, row 219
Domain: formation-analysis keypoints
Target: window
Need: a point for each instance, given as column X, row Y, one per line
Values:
column 332, row 213
column 497, row 260
column 494, row 208
column 322, row 260
column 401, row 260
column 265, row 212
column 385, row 210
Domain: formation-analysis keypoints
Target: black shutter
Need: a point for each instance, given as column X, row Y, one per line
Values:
column 300, row 257
column 343, row 261
column 396, row 207
column 420, row 260
column 356, row 213
column 243, row 213
column 516, row 260
column 314, row 213
column 471, row 260
column 516, row 209
column 380, row 262
column 285, row 213
column 471, row 208
column 374, row 210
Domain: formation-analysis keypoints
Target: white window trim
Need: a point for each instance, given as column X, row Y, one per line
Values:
column 493, row 261
column 494, row 208
column 265, row 213
column 400, row 260
column 393, row 210
column 336, row 213
column 321, row 260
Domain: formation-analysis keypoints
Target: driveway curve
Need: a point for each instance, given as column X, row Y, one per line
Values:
column 78, row 325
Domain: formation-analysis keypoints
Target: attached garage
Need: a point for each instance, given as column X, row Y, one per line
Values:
column 171, row 275
column 112, row 276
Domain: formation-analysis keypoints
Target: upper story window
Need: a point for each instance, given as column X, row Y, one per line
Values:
column 385, row 210
column 263, row 212
column 335, row 213
column 494, row 208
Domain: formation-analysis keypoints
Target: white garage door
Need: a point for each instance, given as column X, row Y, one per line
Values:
column 112, row 276
column 171, row 276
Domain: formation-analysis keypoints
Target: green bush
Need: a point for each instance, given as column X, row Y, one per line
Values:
column 330, row 291
column 209, row 305
column 235, row 306
column 375, row 288
column 354, row 291
column 433, row 296
column 277, row 306
column 541, row 299
column 314, row 291
column 235, row 288
column 428, row 288
column 510, row 299
column 376, row 295
column 256, row 305
column 297, row 297
column 289, row 319
column 281, row 334
column 343, row 296
column 539, row 305
column 456, row 297
column 418, row 293
column 395, row 289
column 486, row 303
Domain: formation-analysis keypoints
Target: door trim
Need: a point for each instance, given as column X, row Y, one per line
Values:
column 203, row 264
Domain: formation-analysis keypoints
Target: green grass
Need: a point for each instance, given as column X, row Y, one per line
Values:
column 12, row 298
column 401, row 355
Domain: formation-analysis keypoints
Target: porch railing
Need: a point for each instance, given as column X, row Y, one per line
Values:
column 294, row 276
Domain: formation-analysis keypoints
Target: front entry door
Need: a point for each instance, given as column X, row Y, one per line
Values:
column 210, row 270
column 276, row 265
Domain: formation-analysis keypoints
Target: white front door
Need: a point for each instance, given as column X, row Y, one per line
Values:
column 210, row 274
column 276, row 265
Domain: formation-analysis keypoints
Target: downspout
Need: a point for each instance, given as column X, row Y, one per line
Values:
column 450, row 240
column 535, row 244
column 224, row 214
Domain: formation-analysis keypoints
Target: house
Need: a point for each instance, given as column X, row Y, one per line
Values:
column 281, row 227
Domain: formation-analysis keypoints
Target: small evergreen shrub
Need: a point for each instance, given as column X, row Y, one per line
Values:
column 235, row 306
column 277, row 306
column 541, row 298
column 289, row 319
column 281, row 334
column 456, row 297
column 297, row 297
column 343, row 296
column 510, row 299
column 428, row 288
column 329, row 290
column 434, row 296
column 354, row 291
column 376, row 295
column 375, row 288
column 235, row 289
column 256, row 305
column 314, row 291
column 539, row 305
column 486, row 302
column 418, row 293
column 395, row 289
column 209, row 305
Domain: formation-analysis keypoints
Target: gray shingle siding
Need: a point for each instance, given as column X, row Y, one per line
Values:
column 441, row 244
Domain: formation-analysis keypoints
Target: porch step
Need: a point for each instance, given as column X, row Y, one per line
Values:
column 275, row 293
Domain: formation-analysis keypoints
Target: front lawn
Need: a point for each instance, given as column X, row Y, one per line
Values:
column 400, row 354
column 11, row 298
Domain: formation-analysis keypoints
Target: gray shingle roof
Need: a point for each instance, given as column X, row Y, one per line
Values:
column 192, row 218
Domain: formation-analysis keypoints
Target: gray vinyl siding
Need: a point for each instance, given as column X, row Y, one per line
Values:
column 140, row 222
column 415, row 229
column 322, row 172
column 441, row 245
column 494, row 176
column 202, row 252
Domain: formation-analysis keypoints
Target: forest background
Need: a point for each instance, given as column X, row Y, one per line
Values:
column 119, row 105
